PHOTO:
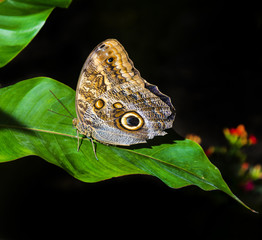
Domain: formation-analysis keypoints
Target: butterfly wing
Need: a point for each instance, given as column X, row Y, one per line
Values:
column 108, row 65
column 118, row 105
column 129, row 114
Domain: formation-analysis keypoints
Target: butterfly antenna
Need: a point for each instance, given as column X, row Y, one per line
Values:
column 59, row 113
column 78, row 142
column 61, row 104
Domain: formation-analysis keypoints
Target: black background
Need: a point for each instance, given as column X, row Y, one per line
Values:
column 205, row 55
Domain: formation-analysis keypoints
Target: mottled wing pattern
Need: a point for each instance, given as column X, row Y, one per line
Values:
column 129, row 100
column 114, row 104
column 108, row 65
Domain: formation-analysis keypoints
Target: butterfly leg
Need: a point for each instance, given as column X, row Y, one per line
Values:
column 94, row 149
column 78, row 145
column 92, row 142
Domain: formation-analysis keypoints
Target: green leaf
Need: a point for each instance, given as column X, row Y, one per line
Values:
column 20, row 21
column 28, row 128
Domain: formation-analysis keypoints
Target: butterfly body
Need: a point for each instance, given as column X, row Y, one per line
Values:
column 114, row 104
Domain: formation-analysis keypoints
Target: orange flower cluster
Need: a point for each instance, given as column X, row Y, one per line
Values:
column 238, row 136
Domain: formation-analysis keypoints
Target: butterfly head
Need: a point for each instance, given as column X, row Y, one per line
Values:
column 82, row 128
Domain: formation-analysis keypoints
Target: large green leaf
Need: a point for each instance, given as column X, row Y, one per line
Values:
column 20, row 21
column 28, row 128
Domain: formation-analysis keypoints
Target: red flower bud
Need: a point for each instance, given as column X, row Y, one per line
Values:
column 252, row 139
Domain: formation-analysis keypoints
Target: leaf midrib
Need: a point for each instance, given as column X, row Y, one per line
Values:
column 37, row 130
column 133, row 152
column 177, row 167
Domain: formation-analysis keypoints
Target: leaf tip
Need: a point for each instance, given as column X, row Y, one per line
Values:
column 243, row 204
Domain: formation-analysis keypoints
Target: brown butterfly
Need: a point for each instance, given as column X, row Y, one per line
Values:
column 114, row 104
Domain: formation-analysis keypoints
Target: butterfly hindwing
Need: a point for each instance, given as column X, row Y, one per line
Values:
column 114, row 104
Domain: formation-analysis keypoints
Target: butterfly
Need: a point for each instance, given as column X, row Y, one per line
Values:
column 114, row 104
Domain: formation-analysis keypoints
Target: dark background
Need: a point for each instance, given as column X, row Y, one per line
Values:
column 206, row 56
